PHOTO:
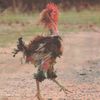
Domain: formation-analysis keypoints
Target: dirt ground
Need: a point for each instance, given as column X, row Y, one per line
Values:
column 78, row 70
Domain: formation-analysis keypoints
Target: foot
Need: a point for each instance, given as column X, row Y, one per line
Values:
column 66, row 91
column 62, row 87
column 39, row 97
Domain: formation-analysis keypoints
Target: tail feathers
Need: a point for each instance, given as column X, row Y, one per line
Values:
column 20, row 47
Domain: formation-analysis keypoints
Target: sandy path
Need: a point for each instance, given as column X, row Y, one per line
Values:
column 78, row 70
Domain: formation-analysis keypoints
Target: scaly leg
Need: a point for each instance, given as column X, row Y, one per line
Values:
column 62, row 87
column 38, row 91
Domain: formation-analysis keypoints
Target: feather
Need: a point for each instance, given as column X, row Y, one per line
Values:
column 42, row 51
column 49, row 17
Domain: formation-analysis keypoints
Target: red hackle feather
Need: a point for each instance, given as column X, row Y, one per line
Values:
column 49, row 17
column 52, row 8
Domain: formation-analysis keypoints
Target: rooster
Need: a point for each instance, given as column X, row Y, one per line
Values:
column 42, row 51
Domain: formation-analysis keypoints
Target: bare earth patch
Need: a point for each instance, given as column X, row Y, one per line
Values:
column 78, row 70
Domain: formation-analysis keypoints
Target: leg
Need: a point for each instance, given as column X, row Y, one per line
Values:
column 62, row 87
column 38, row 91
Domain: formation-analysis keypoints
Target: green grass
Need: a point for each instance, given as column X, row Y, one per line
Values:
column 70, row 19
column 20, row 17
column 10, row 36
column 83, row 17
column 13, row 26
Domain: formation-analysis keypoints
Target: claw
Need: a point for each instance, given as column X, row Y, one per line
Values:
column 65, row 90
column 62, row 88
column 39, row 97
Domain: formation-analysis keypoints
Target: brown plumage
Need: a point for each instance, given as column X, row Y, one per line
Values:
column 42, row 52
column 41, row 44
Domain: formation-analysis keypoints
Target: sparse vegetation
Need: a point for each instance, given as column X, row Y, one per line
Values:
column 13, row 26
